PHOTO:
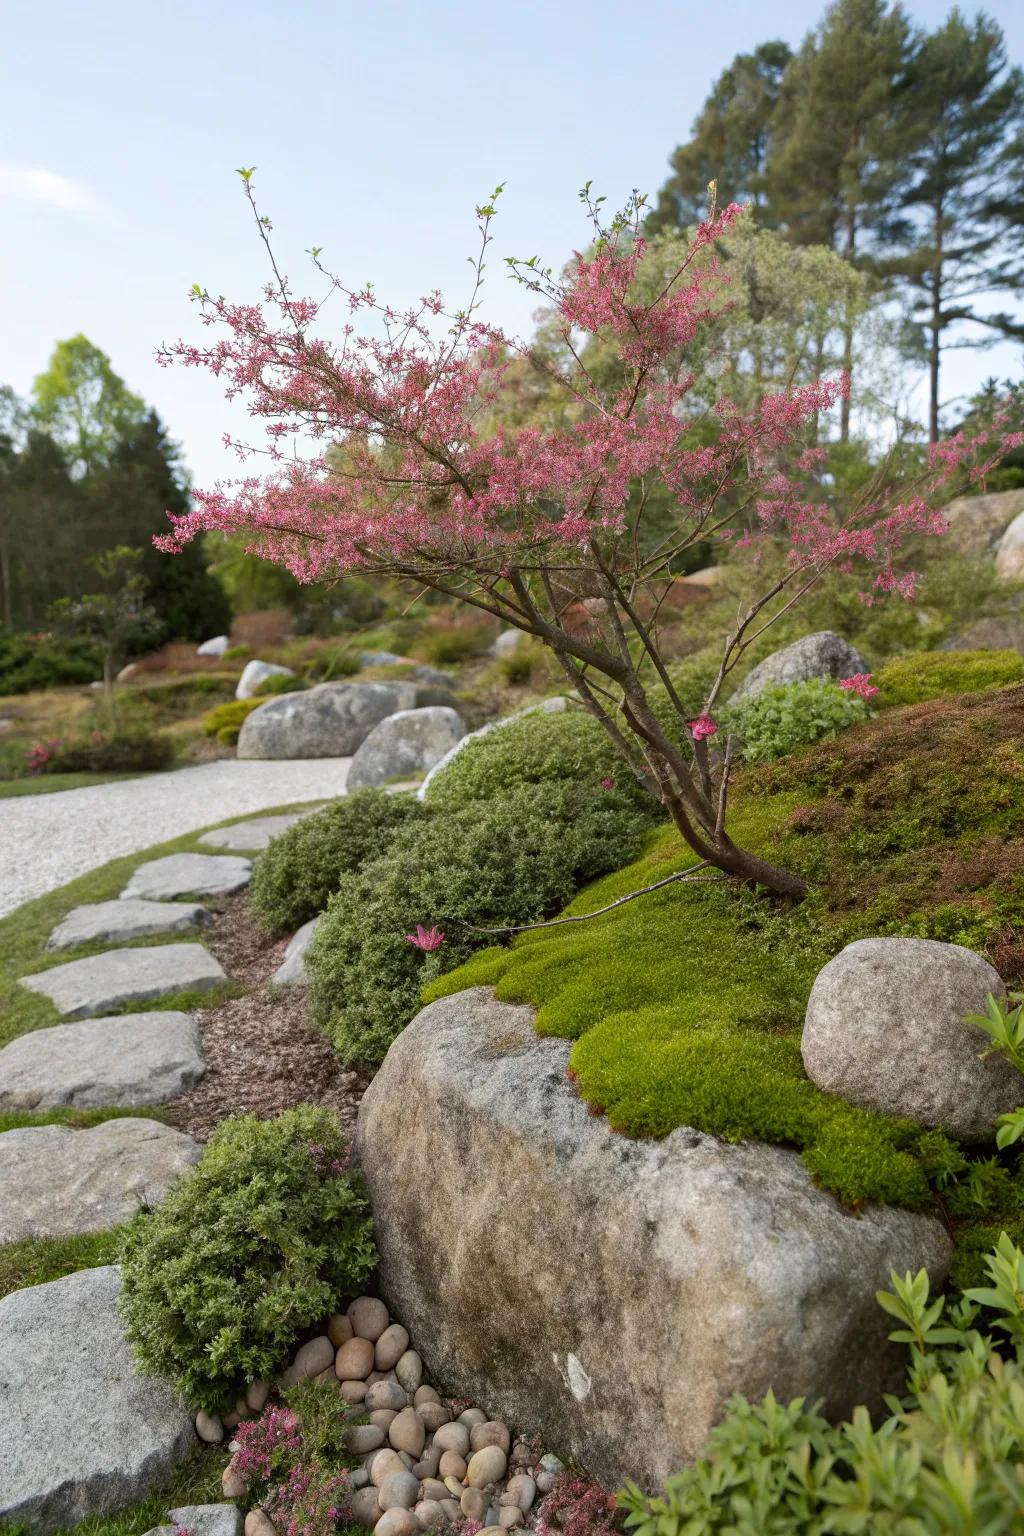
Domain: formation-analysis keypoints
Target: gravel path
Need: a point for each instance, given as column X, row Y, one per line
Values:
column 46, row 840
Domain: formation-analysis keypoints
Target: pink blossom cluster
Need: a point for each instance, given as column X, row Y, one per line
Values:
column 861, row 684
column 578, row 1507
column 426, row 939
column 40, row 753
column 702, row 727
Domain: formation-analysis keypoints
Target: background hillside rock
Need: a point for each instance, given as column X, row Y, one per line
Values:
column 825, row 654
column 405, row 745
column 331, row 720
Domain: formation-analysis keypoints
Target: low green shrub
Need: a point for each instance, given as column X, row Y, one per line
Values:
column 540, row 748
column 913, row 679
column 35, row 662
column 514, row 859
column 263, row 1237
column 294, row 878
column 444, row 641
column 280, row 682
column 227, row 720
column 947, row 1459
column 794, row 715
column 126, row 750
column 236, row 653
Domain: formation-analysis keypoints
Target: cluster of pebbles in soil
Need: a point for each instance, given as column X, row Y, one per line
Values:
column 262, row 1054
column 423, row 1465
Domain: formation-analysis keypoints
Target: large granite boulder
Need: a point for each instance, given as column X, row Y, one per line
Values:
column 610, row 1293
column 405, row 745
column 255, row 674
column 976, row 523
column 331, row 720
column 825, row 654
column 131, row 1061
column 1010, row 551
column 81, row 989
column 81, row 1434
column 885, row 1027
column 56, row 1182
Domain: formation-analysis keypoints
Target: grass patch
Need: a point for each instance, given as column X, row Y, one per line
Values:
column 55, row 783
column 36, row 1260
column 76, row 1119
column 686, row 1006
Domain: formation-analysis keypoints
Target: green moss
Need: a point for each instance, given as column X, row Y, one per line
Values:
column 913, row 679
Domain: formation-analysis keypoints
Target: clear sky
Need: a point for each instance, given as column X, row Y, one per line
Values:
column 375, row 129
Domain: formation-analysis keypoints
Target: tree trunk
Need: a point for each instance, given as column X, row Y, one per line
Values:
column 935, row 329
column 849, row 252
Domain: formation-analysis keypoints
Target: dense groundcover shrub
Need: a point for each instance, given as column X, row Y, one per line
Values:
column 947, row 1461
column 540, row 748
column 783, row 719
column 29, row 662
column 912, row 679
column 514, row 859
column 129, row 749
column 294, row 878
column 226, row 721
column 263, row 1237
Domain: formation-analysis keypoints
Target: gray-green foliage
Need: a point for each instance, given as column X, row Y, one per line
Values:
column 945, row 1462
column 264, row 1236
column 300, row 870
column 793, row 715
column 514, row 858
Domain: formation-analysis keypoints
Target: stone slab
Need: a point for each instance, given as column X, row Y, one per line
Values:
column 81, row 989
column 292, row 971
column 131, row 918
column 207, row 1519
column 132, row 1061
column 256, row 834
column 56, row 1182
column 82, row 1434
column 188, row 874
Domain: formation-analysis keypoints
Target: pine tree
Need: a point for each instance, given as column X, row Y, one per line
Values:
column 729, row 143
column 962, row 188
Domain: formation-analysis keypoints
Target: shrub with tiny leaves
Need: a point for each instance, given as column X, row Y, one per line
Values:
column 783, row 719
column 263, row 1237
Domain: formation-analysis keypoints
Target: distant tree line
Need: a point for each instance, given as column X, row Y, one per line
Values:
column 900, row 149
column 87, row 467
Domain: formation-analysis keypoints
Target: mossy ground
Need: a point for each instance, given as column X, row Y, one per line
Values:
column 686, row 1006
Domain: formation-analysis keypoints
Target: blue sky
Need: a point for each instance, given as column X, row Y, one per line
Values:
column 375, row 129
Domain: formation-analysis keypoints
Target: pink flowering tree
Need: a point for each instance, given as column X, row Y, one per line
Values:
column 410, row 474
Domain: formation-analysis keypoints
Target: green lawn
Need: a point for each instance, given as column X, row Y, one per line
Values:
column 53, row 783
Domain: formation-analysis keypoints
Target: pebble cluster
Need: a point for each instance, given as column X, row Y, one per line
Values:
column 422, row 1465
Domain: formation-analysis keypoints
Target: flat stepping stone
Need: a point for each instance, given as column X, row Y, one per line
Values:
column 80, row 989
column 131, row 1061
column 188, row 874
column 83, row 1435
column 111, row 921
column 207, row 1519
column 292, row 971
column 255, row 834
column 56, row 1182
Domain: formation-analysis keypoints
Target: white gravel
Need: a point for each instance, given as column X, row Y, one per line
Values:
column 46, row 840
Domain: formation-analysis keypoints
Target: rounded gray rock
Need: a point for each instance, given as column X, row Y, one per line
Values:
column 885, row 1028
column 331, row 720
column 825, row 654
column 405, row 745
column 390, row 1347
column 399, row 1490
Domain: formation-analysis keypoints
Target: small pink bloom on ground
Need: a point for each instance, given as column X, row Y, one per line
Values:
column 859, row 683
column 426, row 938
column 607, row 783
column 702, row 726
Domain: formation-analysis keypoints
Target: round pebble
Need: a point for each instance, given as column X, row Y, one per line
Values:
column 385, row 1394
column 256, row 1394
column 430, row 1515
column 369, row 1317
column 486, row 1466
column 363, row 1438
column 510, row 1516
column 407, row 1433
column 453, row 1437
column 551, row 1463
column 382, row 1464
column 310, row 1360
column 390, row 1347
column 339, row 1329
column 234, row 1483
column 209, row 1428
column 359, row 1477
column 433, row 1415
column 430, row 1461
column 520, row 1490
column 354, row 1360
column 473, row 1503
column 472, row 1416
column 546, row 1481
column 233, row 1419
column 365, row 1507
column 399, row 1490
column 353, row 1391
column 383, row 1418
column 425, row 1395
column 397, row 1522
column 433, row 1490
column 452, row 1508
column 409, row 1370
column 259, row 1523
column 491, row 1433
column 454, row 1487
column 453, row 1465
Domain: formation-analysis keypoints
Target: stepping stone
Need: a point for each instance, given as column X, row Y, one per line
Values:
column 292, row 972
column 125, row 919
column 130, row 1061
column 188, row 874
column 81, row 989
column 207, row 1519
column 255, row 834
column 56, row 1182
column 83, row 1435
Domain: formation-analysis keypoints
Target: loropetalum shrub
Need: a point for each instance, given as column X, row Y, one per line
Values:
column 294, row 878
column 515, row 859
column 263, row 1237
column 540, row 748
column 946, row 1461
column 783, row 719
column 913, row 679
column 543, row 525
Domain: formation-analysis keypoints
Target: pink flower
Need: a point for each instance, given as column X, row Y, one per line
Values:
column 703, row 726
column 859, row 683
column 426, row 938
column 607, row 783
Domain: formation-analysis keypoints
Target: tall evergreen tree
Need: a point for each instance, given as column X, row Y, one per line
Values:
column 962, row 190
column 730, row 141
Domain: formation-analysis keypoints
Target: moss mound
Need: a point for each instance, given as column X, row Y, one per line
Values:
column 913, row 679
